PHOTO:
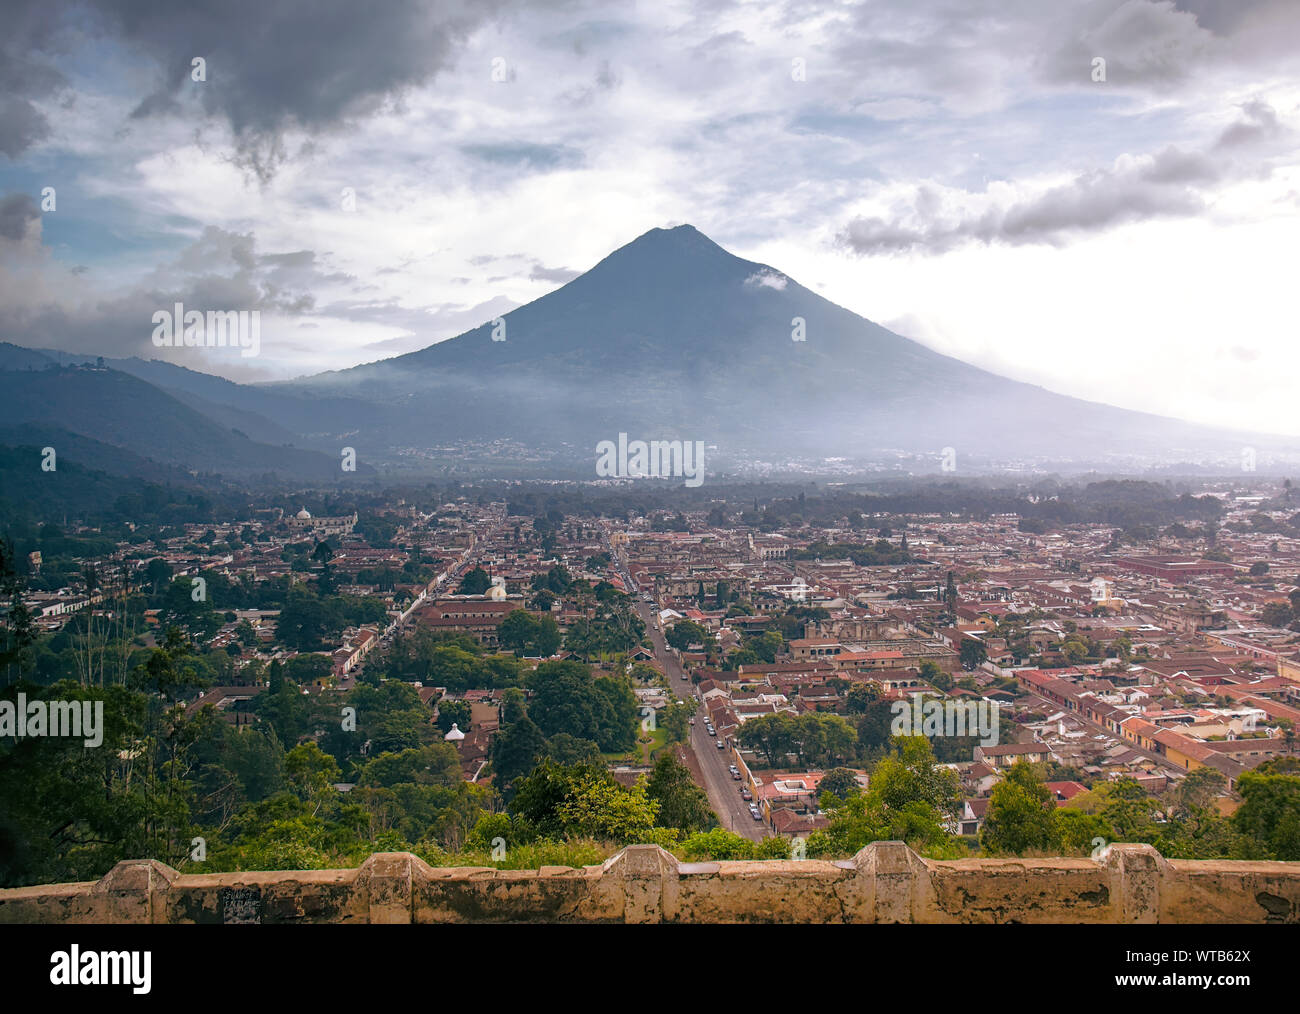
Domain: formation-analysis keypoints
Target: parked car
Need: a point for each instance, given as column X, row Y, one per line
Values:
column 692, row 720
column 755, row 812
column 735, row 776
column 745, row 794
column 720, row 746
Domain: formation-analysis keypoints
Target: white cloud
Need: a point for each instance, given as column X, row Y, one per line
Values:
column 766, row 279
column 950, row 128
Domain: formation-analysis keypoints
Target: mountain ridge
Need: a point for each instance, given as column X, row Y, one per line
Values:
column 669, row 336
column 695, row 337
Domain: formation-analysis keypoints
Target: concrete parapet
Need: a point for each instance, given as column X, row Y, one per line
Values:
column 884, row 883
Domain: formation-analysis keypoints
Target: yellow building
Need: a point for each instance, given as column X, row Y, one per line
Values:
column 1289, row 669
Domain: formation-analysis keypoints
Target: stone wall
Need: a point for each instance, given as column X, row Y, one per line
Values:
column 884, row 883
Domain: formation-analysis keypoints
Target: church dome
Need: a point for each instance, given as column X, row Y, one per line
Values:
column 455, row 734
column 303, row 515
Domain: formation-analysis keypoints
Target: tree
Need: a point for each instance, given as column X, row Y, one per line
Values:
column 565, row 749
column 1129, row 810
column 1197, row 791
column 518, row 631
column 1269, row 815
column 18, row 636
column 543, row 600
column 766, row 645
column 910, row 774
column 860, row 696
column 475, row 582
column 771, row 735
column 567, row 699
column 840, row 783
column 516, row 750
column 973, row 653
column 936, row 677
column 312, row 774
column 246, row 634
column 157, row 574
column 557, row 580
column 512, row 705
column 322, row 554
column 586, row 800
column 909, row 799
column 1020, row 815
column 546, row 641
column 682, row 803
column 1277, row 614
column 458, row 713
column 718, row 845
column 675, row 720
column 682, row 634
column 308, row 669
column 435, row 764
column 1195, row 829
column 305, row 622
column 1079, row 831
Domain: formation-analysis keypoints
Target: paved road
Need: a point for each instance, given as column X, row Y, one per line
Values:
column 723, row 790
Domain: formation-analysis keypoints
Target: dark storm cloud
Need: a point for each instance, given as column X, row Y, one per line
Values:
column 28, row 27
column 1171, row 183
column 17, row 212
column 269, row 66
column 21, row 126
column 305, row 63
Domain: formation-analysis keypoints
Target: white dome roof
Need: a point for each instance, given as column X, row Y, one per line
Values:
column 454, row 733
column 303, row 515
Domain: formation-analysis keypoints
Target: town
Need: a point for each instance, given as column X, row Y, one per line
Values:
column 518, row 671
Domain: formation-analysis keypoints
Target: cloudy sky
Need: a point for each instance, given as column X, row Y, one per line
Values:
column 376, row 177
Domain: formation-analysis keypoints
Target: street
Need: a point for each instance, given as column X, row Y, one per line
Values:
column 723, row 790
